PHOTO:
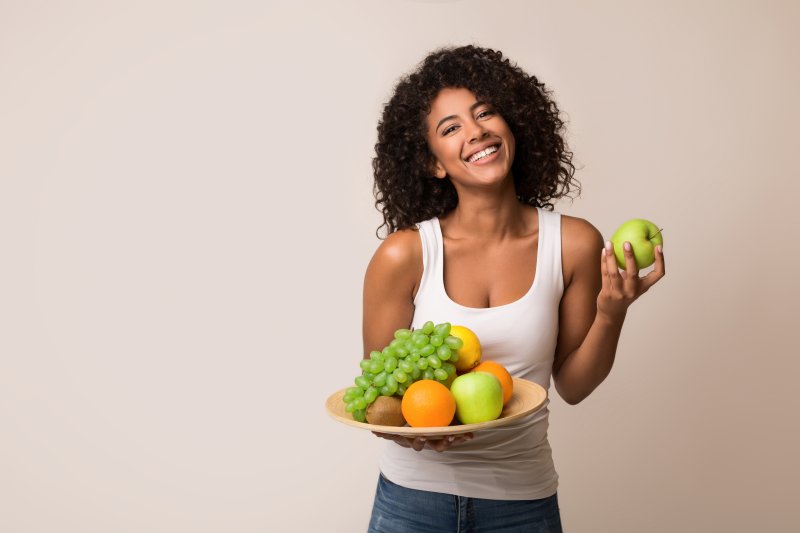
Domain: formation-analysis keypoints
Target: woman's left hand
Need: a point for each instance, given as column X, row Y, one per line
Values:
column 622, row 287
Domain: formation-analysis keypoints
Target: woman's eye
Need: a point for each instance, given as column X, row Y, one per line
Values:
column 485, row 113
column 448, row 130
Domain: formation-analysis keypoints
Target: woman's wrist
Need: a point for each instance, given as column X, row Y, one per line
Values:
column 610, row 321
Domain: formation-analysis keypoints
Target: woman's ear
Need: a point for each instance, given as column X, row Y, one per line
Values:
column 437, row 170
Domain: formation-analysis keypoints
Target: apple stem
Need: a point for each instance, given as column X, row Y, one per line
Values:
column 656, row 233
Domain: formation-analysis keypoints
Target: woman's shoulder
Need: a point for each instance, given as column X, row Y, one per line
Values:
column 579, row 233
column 400, row 251
column 581, row 242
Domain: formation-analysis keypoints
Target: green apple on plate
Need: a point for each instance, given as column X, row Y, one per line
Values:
column 479, row 397
column 643, row 235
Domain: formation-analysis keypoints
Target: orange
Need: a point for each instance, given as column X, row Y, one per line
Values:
column 428, row 403
column 500, row 372
column 469, row 355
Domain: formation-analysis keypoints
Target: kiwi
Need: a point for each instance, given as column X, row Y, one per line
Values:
column 385, row 411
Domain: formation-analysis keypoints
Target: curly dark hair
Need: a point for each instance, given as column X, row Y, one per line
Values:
column 405, row 191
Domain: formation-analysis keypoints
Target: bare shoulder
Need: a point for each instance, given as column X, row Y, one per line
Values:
column 398, row 258
column 401, row 249
column 580, row 242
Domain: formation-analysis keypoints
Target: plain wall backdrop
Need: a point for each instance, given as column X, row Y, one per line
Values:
column 186, row 214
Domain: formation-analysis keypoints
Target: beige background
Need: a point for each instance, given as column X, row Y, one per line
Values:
column 186, row 215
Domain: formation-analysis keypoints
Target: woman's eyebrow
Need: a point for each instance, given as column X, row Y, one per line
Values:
column 448, row 117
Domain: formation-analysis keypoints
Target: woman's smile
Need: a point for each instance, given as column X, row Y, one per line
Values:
column 485, row 155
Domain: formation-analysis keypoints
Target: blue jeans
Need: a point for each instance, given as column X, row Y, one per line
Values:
column 402, row 510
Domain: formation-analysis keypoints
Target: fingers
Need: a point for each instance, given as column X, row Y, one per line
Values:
column 420, row 443
column 612, row 270
column 631, row 270
column 606, row 283
column 658, row 271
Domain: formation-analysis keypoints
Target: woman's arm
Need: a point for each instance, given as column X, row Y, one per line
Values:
column 390, row 284
column 593, row 308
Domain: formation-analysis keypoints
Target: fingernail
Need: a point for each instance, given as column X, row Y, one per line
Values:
column 604, row 252
column 627, row 246
column 660, row 250
column 609, row 246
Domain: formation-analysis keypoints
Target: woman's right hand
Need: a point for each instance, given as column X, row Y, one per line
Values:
column 420, row 443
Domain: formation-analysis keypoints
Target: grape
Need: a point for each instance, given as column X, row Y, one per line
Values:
column 420, row 341
column 443, row 352
column 380, row 379
column 450, row 368
column 443, row 329
column 454, row 342
column 413, row 354
column 370, row 395
column 390, row 364
column 351, row 394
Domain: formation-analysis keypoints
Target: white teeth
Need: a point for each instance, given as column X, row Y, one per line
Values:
column 482, row 154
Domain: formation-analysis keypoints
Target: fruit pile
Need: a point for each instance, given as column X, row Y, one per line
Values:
column 425, row 377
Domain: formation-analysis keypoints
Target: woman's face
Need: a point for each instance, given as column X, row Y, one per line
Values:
column 470, row 141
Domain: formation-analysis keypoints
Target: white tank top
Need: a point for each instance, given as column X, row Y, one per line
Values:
column 513, row 462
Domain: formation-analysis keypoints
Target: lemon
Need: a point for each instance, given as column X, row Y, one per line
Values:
column 469, row 355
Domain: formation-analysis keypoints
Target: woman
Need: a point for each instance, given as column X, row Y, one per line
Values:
column 468, row 161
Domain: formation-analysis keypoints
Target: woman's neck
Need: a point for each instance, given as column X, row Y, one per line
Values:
column 488, row 215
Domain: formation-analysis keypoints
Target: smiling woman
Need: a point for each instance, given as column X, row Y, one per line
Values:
column 469, row 158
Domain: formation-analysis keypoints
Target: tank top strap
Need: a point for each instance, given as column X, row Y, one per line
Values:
column 549, row 260
column 432, row 272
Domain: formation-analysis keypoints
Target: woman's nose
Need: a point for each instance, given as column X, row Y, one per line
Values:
column 476, row 131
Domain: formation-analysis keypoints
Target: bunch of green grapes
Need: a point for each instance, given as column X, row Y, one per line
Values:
column 426, row 353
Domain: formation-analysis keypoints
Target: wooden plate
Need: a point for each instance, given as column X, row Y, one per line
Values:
column 528, row 397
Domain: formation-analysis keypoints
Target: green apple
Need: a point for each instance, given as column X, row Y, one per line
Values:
column 479, row 397
column 643, row 235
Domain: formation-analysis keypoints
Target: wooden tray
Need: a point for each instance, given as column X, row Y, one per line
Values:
column 528, row 397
